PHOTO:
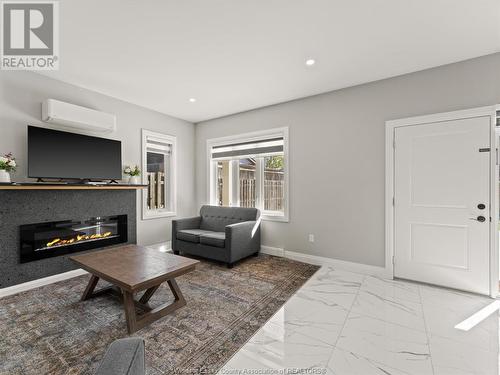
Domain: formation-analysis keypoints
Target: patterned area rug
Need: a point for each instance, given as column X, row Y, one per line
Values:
column 49, row 331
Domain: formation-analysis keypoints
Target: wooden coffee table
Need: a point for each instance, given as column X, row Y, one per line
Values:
column 132, row 269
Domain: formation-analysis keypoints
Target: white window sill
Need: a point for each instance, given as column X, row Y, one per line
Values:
column 158, row 215
column 278, row 218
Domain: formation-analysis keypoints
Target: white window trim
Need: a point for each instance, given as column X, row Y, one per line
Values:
column 172, row 140
column 253, row 136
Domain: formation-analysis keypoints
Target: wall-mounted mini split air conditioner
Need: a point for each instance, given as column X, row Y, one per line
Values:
column 76, row 117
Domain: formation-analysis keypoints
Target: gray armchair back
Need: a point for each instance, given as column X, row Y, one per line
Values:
column 216, row 218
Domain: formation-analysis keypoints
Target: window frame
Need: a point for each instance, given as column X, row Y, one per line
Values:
column 248, row 137
column 171, row 194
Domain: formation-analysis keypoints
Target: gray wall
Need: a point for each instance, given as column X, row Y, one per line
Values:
column 21, row 94
column 336, row 143
column 337, row 153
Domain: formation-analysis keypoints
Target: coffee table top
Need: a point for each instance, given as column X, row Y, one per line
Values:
column 134, row 267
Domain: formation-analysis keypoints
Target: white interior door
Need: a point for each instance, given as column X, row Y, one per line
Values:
column 441, row 183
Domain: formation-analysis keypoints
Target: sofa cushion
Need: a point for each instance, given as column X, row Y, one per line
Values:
column 216, row 218
column 191, row 235
column 217, row 239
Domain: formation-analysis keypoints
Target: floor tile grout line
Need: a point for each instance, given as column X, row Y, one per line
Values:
column 303, row 290
column 346, row 318
column 426, row 328
column 394, row 324
column 268, row 321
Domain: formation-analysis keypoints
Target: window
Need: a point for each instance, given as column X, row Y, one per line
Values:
column 158, row 172
column 274, row 177
column 251, row 171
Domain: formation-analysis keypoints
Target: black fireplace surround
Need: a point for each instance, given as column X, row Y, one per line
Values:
column 55, row 238
column 63, row 209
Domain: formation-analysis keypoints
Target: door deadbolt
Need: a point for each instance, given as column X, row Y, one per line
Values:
column 481, row 206
column 481, row 219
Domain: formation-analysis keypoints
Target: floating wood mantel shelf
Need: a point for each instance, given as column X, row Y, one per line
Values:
column 62, row 186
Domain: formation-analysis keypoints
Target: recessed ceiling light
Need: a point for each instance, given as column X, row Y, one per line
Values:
column 192, row 100
column 310, row 62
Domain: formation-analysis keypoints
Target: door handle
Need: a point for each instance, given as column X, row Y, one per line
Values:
column 481, row 219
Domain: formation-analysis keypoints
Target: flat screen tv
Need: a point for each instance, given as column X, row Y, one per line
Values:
column 63, row 155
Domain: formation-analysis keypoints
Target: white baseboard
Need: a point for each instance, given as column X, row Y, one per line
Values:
column 364, row 269
column 4, row 292
column 276, row 251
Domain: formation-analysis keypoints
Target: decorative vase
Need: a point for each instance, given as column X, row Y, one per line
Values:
column 4, row 176
column 134, row 180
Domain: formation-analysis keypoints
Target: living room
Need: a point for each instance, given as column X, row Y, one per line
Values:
column 279, row 187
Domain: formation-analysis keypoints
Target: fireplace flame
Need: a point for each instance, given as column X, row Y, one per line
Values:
column 78, row 238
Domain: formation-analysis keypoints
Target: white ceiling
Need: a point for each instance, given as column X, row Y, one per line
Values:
column 235, row 55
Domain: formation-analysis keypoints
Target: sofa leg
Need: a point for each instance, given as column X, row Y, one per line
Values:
column 176, row 252
column 256, row 254
column 229, row 265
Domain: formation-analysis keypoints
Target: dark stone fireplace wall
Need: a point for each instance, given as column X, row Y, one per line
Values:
column 18, row 207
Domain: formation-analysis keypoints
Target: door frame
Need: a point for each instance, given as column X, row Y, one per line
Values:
column 390, row 127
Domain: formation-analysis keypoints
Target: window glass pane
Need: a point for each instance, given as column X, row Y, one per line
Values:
column 223, row 181
column 157, row 180
column 274, row 180
column 248, row 192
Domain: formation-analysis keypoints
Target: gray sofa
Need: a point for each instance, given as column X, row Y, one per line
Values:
column 225, row 234
column 124, row 357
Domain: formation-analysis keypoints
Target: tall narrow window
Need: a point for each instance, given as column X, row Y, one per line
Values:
column 158, row 173
column 274, row 183
column 251, row 171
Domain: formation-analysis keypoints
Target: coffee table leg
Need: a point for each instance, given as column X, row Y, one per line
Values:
column 176, row 291
column 135, row 322
column 90, row 288
column 130, row 314
column 148, row 294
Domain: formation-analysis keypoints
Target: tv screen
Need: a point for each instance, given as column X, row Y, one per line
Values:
column 58, row 154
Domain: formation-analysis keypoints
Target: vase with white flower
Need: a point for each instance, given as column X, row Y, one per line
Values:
column 133, row 174
column 7, row 165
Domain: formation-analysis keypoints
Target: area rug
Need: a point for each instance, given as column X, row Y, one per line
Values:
column 49, row 331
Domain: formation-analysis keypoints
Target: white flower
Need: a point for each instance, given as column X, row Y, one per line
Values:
column 12, row 163
column 3, row 159
column 127, row 170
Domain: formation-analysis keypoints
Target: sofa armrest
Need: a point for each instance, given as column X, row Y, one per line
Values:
column 243, row 239
column 124, row 357
column 180, row 224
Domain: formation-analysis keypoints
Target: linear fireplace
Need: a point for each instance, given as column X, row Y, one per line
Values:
column 45, row 240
